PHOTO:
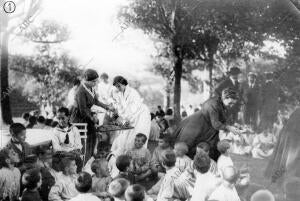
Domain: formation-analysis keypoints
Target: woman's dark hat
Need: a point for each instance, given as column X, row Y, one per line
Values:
column 234, row 71
column 90, row 75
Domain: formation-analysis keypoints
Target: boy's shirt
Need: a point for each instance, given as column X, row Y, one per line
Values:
column 60, row 134
column 157, row 156
column 64, row 188
column 168, row 189
column 205, row 185
column 183, row 162
column 224, row 161
column 22, row 149
column 141, row 158
column 9, row 183
column 225, row 193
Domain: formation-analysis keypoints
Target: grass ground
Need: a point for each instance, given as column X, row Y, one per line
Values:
column 256, row 167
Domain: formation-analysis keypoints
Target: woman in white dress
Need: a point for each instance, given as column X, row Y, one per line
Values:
column 131, row 111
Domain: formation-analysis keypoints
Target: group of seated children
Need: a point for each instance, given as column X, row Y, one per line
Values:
column 38, row 122
column 256, row 145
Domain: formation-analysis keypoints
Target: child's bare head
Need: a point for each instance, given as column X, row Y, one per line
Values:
column 68, row 165
column 84, row 182
column 135, row 192
column 230, row 174
column 140, row 140
column 118, row 187
column 123, row 163
column 262, row 195
column 8, row 157
column 32, row 179
column 223, row 146
column 202, row 162
column 169, row 158
column 164, row 141
column 181, row 149
column 203, row 147
column 100, row 167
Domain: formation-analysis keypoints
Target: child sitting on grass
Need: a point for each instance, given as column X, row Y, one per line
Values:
column 123, row 165
column 10, row 176
column 117, row 189
column 140, row 157
column 164, row 144
column 64, row 188
column 101, row 178
column 182, row 160
column 32, row 181
column 204, row 147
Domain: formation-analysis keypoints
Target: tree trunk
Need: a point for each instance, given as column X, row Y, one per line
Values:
column 177, row 89
column 5, row 91
column 210, row 70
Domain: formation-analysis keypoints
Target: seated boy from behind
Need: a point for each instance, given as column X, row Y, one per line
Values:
column 140, row 157
column 117, row 189
column 83, row 186
column 204, row 147
column 164, row 143
column 64, row 188
column 32, row 180
column 9, row 175
column 123, row 165
column 167, row 188
column 136, row 192
column 182, row 160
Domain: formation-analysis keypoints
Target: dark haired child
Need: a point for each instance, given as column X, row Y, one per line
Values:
column 32, row 180
column 17, row 142
column 205, row 147
column 123, row 165
column 64, row 188
column 9, row 175
column 141, row 157
column 167, row 186
column 164, row 144
column 83, row 186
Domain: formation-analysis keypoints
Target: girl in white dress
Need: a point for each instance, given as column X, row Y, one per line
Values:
column 131, row 111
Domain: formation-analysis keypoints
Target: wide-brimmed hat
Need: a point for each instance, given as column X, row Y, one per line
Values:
column 234, row 71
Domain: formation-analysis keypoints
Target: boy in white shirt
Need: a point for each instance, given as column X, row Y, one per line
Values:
column 226, row 191
column 67, row 137
column 224, row 160
column 206, row 182
column 182, row 160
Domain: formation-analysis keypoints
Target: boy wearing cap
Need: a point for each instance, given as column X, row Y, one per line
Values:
column 251, row 93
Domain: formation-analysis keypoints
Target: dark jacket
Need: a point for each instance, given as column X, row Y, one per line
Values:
column 269, row 103
column 81, row 111
column 251, row 95
column 227, row 83
column 203, row 125
column 26, row 150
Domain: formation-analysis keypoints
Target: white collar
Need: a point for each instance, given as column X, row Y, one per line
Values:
column 92, row 93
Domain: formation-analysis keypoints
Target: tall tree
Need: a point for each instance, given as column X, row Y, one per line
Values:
column 194, row 29
column 11, row 23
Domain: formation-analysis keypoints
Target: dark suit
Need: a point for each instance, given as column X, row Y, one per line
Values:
column 81, row 113
column 227, row 83
column 26, row 150
column 251, row 97
column 203, row 125
column 269, row 104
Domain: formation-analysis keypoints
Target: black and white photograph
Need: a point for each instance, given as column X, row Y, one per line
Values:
column 150, row 100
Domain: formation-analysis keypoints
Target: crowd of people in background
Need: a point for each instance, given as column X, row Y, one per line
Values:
column 166, row 171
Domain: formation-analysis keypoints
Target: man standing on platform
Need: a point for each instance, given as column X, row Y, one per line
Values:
column 269, row 104
column 251, row 97
column 231, row 82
